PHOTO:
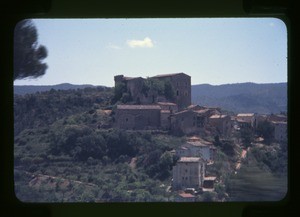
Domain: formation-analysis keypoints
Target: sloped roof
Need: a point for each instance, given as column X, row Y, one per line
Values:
column 182, row 112
column 218, row 116
column 245, row 115
column 140, row 107
column 189, row 159
column 210, row 178
column 167, row 103
column 186, row 195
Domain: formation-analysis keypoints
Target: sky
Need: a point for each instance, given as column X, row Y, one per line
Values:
column 211, row 50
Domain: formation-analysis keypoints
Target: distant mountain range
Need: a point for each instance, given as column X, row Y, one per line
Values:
column 243, row 97
column 240, row 97
column 25, row 89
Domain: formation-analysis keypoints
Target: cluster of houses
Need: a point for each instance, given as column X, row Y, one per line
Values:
column 189, row 173
column 150, row 110
column 153, row 111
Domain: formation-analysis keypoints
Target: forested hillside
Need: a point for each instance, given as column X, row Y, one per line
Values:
column 25, row 89
column 243, row 97
column 66, row 150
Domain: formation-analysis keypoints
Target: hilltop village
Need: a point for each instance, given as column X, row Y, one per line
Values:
column 144, row 140
column 163, row 103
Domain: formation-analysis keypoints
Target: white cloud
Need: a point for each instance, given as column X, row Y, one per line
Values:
column 113, row 46
column 147, row 42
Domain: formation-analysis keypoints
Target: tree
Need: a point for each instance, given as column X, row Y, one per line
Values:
column 169, row 90
column 28, row 55
column 266, row 130
column 247, row 136
column 119, row 90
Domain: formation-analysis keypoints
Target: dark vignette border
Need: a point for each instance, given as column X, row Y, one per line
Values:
column 11, row 11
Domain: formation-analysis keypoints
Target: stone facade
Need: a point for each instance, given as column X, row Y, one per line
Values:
column 188, row 173
column 222, row 123
column 184, row 122
column 246, row 119
column 138, row 117
column 181, row 84
column 280, row 131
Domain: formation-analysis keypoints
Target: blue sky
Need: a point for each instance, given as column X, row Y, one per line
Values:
column 210, row 50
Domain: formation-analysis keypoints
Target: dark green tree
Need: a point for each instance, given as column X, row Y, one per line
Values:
column 119, row 90
column 247, row 136
column 266, row 130
column 28, row 55
column 169, row 90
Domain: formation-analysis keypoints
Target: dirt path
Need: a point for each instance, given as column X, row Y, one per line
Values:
column 243, row 155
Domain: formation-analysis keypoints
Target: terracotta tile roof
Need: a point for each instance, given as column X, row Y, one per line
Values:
column 189, row 159
column 199, row 144
column 202, row 111
column 182, row 112
column 217, row 116
column 210, row 178
column 166, row 103
column 245, row 115
column 279, row 122
column 186, row 195
column 138, row 107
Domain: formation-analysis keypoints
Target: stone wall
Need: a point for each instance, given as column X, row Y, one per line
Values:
column 137, row 117
column 182, row 86
column 184, row 122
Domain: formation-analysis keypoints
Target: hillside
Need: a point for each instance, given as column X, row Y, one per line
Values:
column 238, row 98
column 243, row 97
column 66, row 150
column 24, row 89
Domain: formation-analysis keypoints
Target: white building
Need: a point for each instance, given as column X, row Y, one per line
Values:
column 188, row 173
column 195, row 147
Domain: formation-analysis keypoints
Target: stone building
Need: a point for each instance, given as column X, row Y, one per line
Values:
column 189, row 172
column 196, row 147
column 172, row 107
column 184, row 122
column 138, row 117
column 222, row 123
column 246, row 120
column 180, row 84
column 280, row 130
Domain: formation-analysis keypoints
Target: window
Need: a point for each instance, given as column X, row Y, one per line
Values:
column 126, row 119
column 177, row 93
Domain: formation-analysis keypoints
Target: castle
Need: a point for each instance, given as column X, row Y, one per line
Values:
column 179, row 88
column 162, row 102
